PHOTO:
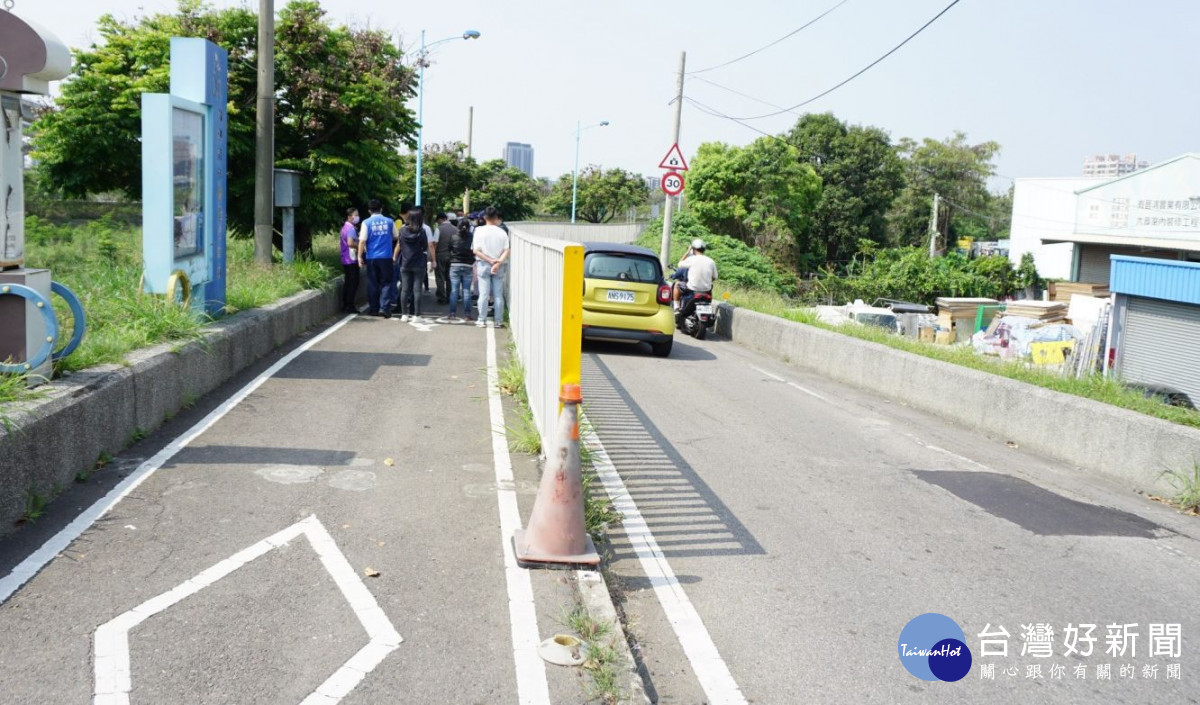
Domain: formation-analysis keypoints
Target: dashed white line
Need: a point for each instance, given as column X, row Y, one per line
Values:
column 111, row 643
column 532, row 686
column 697, row 643
column 29, row 567
column 793, row 385
column 952, row 454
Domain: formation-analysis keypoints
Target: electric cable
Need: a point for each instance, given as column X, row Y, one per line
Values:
column 860, row 72
column 799, row 29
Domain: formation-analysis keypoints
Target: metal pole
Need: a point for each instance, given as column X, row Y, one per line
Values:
column 264, row 134
column 420, row 116
column 289, row 235
column 665, row 251
column 575, row 171
column 470, row 129
column 933, row 227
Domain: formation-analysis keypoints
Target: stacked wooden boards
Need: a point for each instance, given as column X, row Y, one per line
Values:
column 960, row 314
column 1046, row 311
column 1061, row 291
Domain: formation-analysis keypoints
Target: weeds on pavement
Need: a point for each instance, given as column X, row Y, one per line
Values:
column 1187, row 487
column 601, row 657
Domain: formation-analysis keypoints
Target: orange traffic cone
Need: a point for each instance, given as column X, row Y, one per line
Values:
column 556, row 536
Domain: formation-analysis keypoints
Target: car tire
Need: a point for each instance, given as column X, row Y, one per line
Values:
column 662, row 349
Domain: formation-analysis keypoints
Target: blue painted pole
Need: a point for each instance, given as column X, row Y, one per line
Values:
column 575, row 171
column 420, row 117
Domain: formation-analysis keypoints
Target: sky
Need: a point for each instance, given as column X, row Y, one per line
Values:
column 1051, row 80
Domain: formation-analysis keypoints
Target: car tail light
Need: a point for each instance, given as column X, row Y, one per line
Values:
column 664, row 294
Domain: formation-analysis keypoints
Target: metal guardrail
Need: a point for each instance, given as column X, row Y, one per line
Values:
column 623, row 233
column 546, row 293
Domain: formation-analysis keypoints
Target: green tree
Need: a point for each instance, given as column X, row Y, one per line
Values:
column 603, row 194
column 738, row 264
column 513, row 192
column 860, row 177
column 340, row 115
column 761, row 194
column 445, row 173
column 954, row 169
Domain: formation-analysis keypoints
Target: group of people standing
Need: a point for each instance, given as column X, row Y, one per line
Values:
column 467, row 258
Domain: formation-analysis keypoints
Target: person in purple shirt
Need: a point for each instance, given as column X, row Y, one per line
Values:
column 349, row 238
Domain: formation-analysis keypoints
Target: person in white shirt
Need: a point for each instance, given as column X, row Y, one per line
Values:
column 701, row 273
column 490, row 244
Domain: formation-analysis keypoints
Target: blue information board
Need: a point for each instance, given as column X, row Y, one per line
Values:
column 184, row 179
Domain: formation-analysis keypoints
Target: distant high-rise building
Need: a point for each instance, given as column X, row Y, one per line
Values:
column 1112, row 165
column 519, row 156
column 653, row 183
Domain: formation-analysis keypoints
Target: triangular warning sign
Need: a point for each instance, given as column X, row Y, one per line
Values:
column 674, row 160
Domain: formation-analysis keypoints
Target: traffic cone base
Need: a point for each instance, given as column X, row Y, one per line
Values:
column 556, row 535
column 527, row 558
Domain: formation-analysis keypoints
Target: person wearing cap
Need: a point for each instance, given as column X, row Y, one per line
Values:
column 447, row 228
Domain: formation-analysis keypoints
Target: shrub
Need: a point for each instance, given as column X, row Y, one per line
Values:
column 737, row 263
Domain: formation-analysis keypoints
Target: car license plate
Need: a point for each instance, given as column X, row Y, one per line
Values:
column 704, row 309
column 625, row 297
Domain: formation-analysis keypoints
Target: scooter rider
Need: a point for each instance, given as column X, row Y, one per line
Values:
column 701, row 273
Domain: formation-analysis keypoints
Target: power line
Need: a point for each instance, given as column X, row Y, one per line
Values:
column 768, row 46
column 744, row 95
column 860, row 72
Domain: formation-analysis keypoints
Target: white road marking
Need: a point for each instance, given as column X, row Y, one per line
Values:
column 952, row 454
column 919, row 442
column 29, row 567
column 760, row 370
column 113, row 675
column 421, row 325
column 793, row 385
column 698, row 646
column 532, row 687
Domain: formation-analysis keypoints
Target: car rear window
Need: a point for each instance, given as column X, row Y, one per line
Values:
column 622, row 267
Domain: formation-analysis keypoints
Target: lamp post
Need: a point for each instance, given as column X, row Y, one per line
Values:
column 575, row 174
column 469, row 34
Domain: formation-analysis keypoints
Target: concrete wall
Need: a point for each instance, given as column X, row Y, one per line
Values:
column 1130, row 447
column 51, row 439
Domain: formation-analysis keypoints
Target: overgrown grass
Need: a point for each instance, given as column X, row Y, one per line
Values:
column 1103, row 389
column 598, row 511
column 601, row 658
column 102, row 263
column 15, row 388
column 1187, row 488
column 524, row 437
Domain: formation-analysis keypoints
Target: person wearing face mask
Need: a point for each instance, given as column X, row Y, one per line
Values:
column 349, row 238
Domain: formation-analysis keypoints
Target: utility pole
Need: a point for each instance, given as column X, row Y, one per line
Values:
column 933, row 226
column 665, row 252
column 264, row 134
column 470, row 128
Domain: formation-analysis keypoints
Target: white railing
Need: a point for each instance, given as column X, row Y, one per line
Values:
column 623, row 233
column 545, row 286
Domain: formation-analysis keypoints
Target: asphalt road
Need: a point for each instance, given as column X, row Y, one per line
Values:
column 808, row 522
column 381, row 434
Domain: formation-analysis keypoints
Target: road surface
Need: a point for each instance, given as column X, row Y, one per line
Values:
column 807, row 522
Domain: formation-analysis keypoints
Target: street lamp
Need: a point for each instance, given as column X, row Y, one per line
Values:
column 575, row 174
column 469, row 34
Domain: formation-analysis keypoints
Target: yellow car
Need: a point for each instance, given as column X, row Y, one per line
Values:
column 625, row 297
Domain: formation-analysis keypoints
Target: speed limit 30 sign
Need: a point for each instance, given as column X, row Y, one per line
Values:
column 672, row 183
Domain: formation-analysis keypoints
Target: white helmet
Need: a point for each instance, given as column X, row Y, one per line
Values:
column 698, row 245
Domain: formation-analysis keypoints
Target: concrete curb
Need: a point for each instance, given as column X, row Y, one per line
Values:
column 51, row 439
column 1129, row 447
column 596, row 599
